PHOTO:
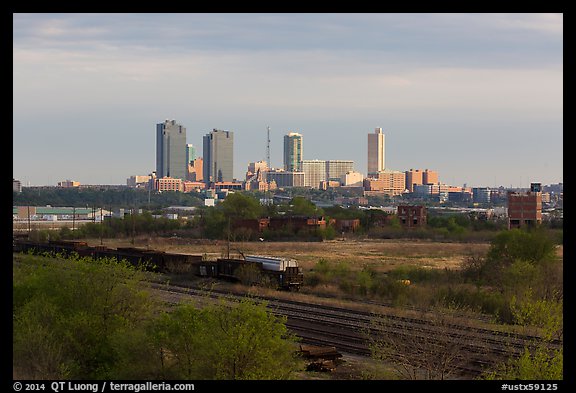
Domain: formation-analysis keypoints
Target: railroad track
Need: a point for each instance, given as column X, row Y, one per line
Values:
column 347, row 329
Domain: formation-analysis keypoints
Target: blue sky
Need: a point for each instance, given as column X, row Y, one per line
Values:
column 476, row 97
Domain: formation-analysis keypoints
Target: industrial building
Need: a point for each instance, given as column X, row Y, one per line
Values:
column 412, row 216
column 525, row 208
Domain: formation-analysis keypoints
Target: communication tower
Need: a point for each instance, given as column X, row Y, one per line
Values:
column 268, row 149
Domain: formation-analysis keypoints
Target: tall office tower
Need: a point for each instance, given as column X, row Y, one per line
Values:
column 292, row 152
column 190, row 153
column 218, row 156
column 171, row 150
column 376, row 152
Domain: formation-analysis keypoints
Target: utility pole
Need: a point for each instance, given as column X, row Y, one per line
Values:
column 29, row 222
column 228, row 243
column 269, row 167
column 132, row 215
column 101, row 225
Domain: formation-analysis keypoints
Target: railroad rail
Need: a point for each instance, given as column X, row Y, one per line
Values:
column 347, row 330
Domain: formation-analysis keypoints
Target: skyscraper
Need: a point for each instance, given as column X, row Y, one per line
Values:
column 171, row 150
column 376, row 152
column 292, row 152
column 218, row 156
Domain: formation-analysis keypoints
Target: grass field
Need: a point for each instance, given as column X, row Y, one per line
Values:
column 382, row 255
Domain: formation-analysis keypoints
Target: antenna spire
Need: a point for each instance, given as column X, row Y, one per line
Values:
column 268, row 149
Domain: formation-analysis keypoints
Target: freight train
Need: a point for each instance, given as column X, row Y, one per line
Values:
column 284, row 273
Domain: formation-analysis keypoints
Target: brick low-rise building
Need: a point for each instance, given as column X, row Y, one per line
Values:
column 168, row 184
column 524, row 208
column 351, row 225
column 412, row 216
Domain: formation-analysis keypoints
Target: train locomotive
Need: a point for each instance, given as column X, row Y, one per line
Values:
column 284, row 273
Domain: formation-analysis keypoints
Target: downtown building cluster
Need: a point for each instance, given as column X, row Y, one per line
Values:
column 178, row 168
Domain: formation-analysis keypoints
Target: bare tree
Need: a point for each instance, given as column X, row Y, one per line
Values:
column 431, row 349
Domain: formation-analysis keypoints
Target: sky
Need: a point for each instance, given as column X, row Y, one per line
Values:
column 476, row 97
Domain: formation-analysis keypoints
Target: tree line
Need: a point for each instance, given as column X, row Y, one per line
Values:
column 219, row 222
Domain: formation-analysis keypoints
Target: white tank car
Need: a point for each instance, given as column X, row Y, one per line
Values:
column 272, row 263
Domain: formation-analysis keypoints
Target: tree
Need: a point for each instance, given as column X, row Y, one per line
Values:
column 240, row 206
column 300, row 206
column 225, row 341
column 94, row 320
column 214, row 223
column 514, row 257
column 431, row 351
column 532, row 246
column 70, row 310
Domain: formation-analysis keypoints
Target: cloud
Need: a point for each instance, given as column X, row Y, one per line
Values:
column 540, row 23
column 322, row 74
column 373, row 38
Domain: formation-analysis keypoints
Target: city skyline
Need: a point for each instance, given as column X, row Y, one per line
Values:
column 476, row 97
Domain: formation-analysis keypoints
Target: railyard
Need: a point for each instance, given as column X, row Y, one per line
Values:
column 329, row 321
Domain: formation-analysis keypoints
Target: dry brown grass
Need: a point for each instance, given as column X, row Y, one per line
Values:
column 382, row 255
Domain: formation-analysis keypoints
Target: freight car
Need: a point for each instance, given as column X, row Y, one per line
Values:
column 151, row 260
column 282, row 272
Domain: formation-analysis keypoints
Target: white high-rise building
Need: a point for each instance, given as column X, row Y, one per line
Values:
column 335, row 169
column 376, row 152
column 314, row 172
